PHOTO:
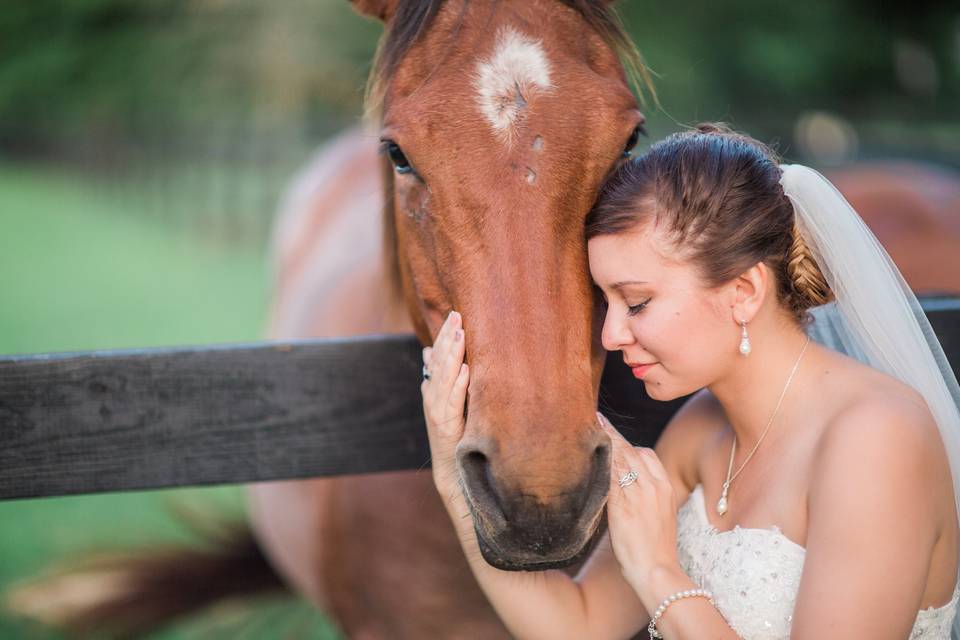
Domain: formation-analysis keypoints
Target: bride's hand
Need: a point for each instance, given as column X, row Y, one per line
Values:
column 641, row 516
column 444, row 395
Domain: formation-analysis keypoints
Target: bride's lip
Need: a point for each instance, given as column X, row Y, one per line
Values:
column 640, row 370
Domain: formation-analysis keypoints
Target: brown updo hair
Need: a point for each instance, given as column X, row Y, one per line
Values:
column 717, row 194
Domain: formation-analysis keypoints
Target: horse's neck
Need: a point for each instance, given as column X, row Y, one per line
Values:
column 330, row 271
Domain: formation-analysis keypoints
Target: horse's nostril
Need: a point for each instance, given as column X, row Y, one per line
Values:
column 601, row 464
column 478, row 475
column 474, row 464
column 601, row 455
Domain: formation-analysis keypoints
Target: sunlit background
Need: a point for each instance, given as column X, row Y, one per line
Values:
column 144, row 146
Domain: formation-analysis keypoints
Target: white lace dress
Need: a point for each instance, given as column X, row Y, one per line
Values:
column 754, row 575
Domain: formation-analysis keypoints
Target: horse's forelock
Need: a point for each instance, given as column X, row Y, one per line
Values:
column 414, row 17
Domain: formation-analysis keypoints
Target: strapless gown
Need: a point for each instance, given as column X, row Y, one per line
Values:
column 754, row 575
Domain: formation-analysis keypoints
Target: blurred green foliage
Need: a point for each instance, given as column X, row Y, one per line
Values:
column 112, row 71
column 108, row 71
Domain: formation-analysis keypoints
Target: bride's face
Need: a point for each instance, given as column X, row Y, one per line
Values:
column 660, row 314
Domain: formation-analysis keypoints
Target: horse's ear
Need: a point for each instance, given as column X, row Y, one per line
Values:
column 380, row 9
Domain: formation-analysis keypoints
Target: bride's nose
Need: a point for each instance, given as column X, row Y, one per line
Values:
column 615, row 334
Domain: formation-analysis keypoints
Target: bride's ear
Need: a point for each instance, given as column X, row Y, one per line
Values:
column 750, row 290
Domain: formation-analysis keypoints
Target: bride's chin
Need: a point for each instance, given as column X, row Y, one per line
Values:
column 658, row 391
column 654, row 390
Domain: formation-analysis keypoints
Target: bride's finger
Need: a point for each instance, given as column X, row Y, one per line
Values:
column 617, row 441
column 442, row 342
column 651, row 462
column 453, row 357
column 458, row 395
column 448, row 358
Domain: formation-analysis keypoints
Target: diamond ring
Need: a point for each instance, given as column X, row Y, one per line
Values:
column 628, row 479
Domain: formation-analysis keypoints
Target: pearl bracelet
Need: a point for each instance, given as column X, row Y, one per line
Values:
column 688, row 593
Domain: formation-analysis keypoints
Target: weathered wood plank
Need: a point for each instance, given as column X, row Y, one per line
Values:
column 81, row 423
column 111, row 421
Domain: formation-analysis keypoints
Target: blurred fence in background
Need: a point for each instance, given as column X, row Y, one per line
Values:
column 221, row 185
column 198, row 111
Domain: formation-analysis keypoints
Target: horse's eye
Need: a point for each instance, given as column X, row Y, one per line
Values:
column 399, row 160
column 634, row 138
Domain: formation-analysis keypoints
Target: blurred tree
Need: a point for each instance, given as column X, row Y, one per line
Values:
column 76, row 74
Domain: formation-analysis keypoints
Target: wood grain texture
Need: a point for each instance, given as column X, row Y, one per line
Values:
column 125, row 420
column 81, row 423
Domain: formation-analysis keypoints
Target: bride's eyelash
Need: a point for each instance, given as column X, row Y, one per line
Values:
column 633, row 310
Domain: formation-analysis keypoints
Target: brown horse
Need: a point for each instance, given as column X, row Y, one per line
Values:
column 499, row 123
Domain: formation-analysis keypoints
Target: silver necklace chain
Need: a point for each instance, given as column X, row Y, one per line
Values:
column 723, row 502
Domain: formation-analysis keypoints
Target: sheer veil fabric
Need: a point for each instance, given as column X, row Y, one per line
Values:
column 875, row 317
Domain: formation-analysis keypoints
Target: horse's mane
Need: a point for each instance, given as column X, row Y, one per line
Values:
column 412, row 18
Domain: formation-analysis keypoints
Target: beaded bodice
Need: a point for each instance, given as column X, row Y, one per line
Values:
column 754, row 575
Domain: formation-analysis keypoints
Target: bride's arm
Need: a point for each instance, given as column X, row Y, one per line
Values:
column 872, row 523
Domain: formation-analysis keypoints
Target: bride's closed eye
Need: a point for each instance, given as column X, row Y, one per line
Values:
column 634, row 309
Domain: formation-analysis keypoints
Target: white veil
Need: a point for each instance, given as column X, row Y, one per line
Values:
column 875, row 317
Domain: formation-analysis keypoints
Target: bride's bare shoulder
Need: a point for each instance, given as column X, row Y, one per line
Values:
column 851, row 390
column 699, row 421
column 865, row 407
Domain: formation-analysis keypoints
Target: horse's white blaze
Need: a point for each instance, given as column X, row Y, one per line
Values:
column 510, row 78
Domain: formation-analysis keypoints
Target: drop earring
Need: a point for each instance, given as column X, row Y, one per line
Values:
column 744, row 339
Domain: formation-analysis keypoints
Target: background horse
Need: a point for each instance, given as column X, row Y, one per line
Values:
column 914, row 210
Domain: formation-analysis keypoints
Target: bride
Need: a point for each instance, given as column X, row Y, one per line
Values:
column 800, row 492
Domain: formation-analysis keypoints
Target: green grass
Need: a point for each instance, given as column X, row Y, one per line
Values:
column 79, row 270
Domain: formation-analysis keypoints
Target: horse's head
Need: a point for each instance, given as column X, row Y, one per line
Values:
column 499, row 122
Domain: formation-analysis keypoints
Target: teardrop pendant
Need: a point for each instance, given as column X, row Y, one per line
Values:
column 722, row 502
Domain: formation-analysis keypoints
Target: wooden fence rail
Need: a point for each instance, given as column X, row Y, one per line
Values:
column 111, row 421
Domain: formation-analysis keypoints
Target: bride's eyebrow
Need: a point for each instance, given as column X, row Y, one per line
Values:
column 623, row 283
